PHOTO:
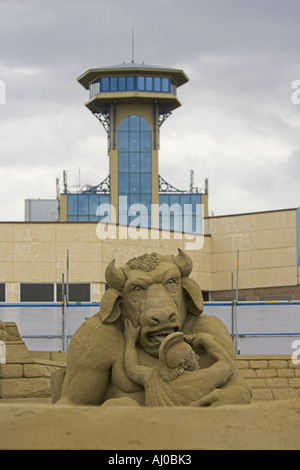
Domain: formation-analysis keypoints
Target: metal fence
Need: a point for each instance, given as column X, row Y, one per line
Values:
column 256, row 327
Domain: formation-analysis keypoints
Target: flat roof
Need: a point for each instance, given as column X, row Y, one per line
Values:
column 250, row 213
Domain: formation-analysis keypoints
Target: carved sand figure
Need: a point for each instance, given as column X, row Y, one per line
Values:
column 158, row 295
column 178, row 379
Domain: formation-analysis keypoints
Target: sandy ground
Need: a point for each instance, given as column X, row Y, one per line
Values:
column 41, row 425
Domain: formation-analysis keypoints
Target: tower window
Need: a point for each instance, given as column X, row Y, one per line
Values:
column 132, row 83
column 134, row 160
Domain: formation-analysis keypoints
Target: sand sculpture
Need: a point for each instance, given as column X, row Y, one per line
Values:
column 150, row 344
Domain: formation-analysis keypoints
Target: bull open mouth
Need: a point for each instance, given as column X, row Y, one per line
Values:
column 159, row 336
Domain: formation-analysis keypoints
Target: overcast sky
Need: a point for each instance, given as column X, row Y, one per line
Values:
column 238, row 125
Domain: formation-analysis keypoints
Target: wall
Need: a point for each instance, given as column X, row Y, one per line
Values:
column 267, row 244
column 36, row 252
column 267, row 249
column 273, row 377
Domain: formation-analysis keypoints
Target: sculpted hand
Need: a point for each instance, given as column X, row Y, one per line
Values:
column 130, row 331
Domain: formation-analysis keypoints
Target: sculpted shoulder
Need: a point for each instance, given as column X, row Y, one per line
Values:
column 92, row 337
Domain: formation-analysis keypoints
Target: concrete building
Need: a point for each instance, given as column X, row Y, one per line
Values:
column 34, row 256
column 41, row 210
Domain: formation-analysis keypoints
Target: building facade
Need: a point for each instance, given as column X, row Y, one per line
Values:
column 34, row 257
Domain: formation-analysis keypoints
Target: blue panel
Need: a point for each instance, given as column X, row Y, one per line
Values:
column 123, row 141
column 141, row 83
column 72, row 204
column 149, row 84
column 157, row 84
column 134, row 166
column 122, row 83
column 104, row 84
column 146, row 162
column 93, row 204
column 124, row 162
column 183, row 212
column 134, row 141
column 130, row 83
column 83, row 204
column 298, row 234
column 165, row 85
column 134, row 123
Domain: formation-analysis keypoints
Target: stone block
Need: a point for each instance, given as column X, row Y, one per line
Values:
column 16, row 349
column 9, row 371
column 256, row 383
column 294, row 382
column 60, row 356
column 278, row 364
column 285, row 394
column 258, row 364
column 40, row 354
column 264, row 373
column 262, row 394
column 248, row 373
column 292, row 365
column 277, row 383
column 242, row 364
column 285, row 373
column 25, row 388
column 36, row 370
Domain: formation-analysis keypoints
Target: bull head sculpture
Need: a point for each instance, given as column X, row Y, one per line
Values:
column 155, row 291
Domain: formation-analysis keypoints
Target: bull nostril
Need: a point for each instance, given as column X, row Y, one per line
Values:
column 172, row 317
column 154, row 321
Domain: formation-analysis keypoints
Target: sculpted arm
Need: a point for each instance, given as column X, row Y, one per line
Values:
column 89, row 364
column 135, row 372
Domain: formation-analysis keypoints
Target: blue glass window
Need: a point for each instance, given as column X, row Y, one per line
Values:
column 157, row 84
column 83, row 207
column 72, row 204
column 149, row 84
column 181, row 213
column 165, row 85
column 105, row 84
column 130, row 84
column 122, row 83
column 114, row 84
column 141, row 83
column 134, row 159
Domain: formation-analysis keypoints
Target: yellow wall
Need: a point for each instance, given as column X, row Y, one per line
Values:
column 36, row 252
column 267, row 249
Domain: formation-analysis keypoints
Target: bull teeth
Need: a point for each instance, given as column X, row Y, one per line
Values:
column 162, row 332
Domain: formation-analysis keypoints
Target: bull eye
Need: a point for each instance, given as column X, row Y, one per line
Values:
column 137, row 288
column 172, row 284
column 171, row 281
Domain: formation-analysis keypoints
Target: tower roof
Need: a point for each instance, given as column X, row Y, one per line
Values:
column 177, row 75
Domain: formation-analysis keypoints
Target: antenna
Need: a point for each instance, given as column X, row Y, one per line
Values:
column 132, row 45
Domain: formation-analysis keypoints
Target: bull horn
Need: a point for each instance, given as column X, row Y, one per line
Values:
column 184, row 263
column 115, row 277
